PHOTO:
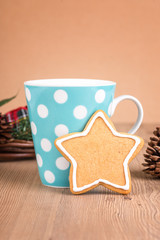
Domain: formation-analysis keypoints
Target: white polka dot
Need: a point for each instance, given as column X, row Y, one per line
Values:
column 33, row 128
column 49, row 176
column 42, row 111
column 60, row 96
column 61, row 130
column 80, row 112
column 62, row 163
column 100, row 96
column 28, row 94
column 46, row 145
column 39, row 160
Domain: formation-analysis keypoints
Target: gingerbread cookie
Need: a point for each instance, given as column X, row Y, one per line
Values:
column 99, row 155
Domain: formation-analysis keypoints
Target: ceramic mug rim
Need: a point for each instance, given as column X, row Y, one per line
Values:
column 69, row 82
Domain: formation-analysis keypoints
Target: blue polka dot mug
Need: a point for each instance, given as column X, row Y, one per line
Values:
column 60, row 106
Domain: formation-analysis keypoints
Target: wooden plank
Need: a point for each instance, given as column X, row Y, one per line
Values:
column 29, row 210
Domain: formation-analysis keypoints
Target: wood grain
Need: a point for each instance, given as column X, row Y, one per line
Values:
column 29, row 210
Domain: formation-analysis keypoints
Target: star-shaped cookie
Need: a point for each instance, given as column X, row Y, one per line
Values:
column 99, row 155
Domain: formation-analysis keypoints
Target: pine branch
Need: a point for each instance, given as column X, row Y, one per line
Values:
column 22, row 130
column 4, row 101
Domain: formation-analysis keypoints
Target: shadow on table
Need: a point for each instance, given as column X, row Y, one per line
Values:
column 17, row 174
column 100, row 190
column 139, row 174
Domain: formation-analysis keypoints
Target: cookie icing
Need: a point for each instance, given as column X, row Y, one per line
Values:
column 84, row 133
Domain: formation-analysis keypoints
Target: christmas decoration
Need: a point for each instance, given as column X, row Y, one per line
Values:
column 15, row 134
column 19, row 120
column 152, row 156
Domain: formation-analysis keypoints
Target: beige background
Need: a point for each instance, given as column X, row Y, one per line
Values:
column 102, row 39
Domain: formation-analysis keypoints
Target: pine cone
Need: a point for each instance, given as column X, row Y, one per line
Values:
column 152, row 156
column 5, row 130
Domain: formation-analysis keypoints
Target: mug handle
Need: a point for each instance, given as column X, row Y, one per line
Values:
column 117, row 100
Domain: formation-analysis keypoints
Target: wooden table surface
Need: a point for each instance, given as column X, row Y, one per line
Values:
column 29, row 210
